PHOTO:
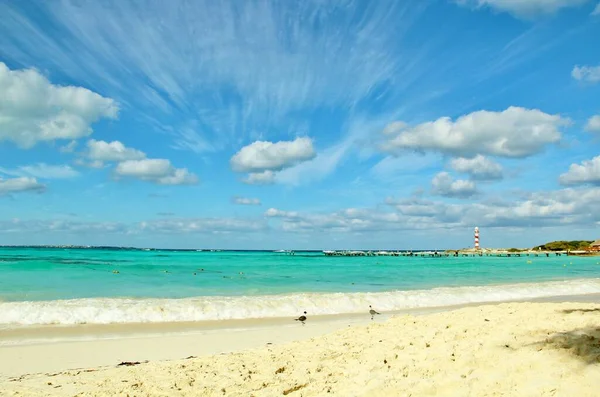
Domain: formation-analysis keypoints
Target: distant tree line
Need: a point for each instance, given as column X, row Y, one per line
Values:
column 565, row 245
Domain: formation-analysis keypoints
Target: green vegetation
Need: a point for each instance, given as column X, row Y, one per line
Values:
column 514, row 250
column 565, row 245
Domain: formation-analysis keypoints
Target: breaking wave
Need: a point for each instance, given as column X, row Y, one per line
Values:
column 124, row 310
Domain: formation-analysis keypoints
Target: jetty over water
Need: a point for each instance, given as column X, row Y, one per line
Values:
column 455, row 253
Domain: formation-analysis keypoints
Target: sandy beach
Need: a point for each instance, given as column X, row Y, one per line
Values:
column 509, row 349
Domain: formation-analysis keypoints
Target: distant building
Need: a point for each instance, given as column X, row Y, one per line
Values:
column 595, row 246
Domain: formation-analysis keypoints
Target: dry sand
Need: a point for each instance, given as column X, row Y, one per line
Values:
column 511, row 349
column 57, row 348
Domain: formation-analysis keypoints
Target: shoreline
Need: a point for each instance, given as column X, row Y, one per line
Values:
column 37, row 349
column 210, row 310
column 516, row 349
column 51, row 333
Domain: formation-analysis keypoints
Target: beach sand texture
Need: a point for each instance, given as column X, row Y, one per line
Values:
column 510, row 349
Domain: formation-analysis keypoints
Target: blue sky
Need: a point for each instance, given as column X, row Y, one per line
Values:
column 312, row 124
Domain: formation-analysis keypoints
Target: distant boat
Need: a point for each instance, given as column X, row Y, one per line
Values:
column 287, row 252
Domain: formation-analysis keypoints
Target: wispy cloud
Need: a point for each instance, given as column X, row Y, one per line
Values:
column 552, row 208
column 230, row 73
column 360, row 131
column 203, row 225
column 42, row 170
column 228, row 69
column 21, row 184
column 245, row 201
column 593, row 124
column 165, row 213
column 410, row 163
column 60, row 226
column 590, row 74
column 523, row 8
column 68, row 148
column 260, row 178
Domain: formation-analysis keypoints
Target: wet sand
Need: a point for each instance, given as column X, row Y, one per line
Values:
column 510, row 349
column 564, row 336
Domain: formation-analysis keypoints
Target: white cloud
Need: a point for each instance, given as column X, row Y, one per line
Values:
column 272, row 57
column 268, row 156
column 68, row 148
column 514, row 132
column 302, row 164
column 203, row 225
column 189, row 139
column 552, row 208
column 276, row 213
column 596, row 10
column 166, row 226
column 523, row 8
column 593, row 124
column 479, row 167
column 158, row 171
column 250, row 77
column 393, row 127
column 246, row 201
column 409, row 163
column 590, row 74
column 541, row 209
column 260, row 178
column 327, row 160
column 133, row 163
column 586, row 172
column 60, row 226
column 111, row 151
column 90, row 164
column 423, row 209
column 347, row 220
column 22, row 184
column 43, row 171
column 566, row 207
column 165, row 213
column 33, row 110
column 46, row 171
column 316, row 168
column 443, row 185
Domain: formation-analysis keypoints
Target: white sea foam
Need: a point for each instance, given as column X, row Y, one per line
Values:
column 113, row 310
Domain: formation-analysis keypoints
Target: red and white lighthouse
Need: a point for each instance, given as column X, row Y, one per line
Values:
column 477, row 238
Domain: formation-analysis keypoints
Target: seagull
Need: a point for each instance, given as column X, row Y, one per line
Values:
column 372, row 312
column 302, row 318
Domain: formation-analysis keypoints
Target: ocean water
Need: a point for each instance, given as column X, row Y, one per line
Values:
column 72, row 286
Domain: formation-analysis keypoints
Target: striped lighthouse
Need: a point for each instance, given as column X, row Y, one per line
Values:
column 476, row 238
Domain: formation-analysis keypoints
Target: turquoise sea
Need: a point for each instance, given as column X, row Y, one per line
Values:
column 67, row 286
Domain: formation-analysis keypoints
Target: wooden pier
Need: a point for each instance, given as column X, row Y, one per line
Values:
column 452, row 253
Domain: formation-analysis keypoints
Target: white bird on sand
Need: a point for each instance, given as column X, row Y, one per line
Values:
column 302, row 318
column 372, row 312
